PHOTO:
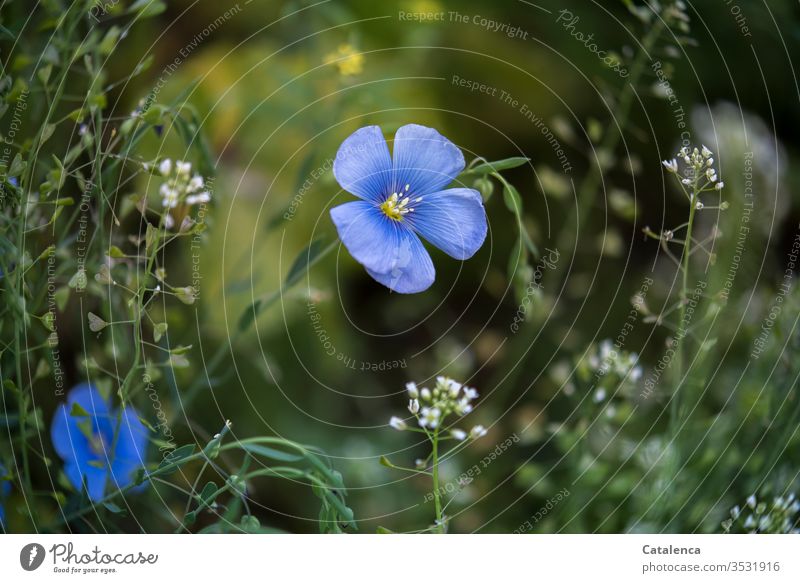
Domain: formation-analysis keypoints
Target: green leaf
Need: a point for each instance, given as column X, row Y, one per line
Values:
column 489, row 167
column 512, row 198
column 159, row 330
column 44, row 73
column 147, row 8
column 177, row 457
column 207, row 495
column 271, row 453
column 113, row 508
column 78, row 411
column 18, row 166
column 109, row 41
column 115, row 252
column 304, row 260
column 302, row 263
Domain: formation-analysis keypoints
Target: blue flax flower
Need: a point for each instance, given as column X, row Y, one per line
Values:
column 403, row 198
column 84, row 437
column 5, row 490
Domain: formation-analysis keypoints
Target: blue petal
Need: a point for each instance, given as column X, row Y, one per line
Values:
column 424, row 159
column 131, row 448
column 389, row 250
column 453, row 220
column 68, row 440
column 95, row 479
column 363, row 165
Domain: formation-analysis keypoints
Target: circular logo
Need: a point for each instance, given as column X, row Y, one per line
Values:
column 31, row 556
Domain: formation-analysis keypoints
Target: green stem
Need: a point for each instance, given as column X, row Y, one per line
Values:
column 675, row 412
column 439, row 527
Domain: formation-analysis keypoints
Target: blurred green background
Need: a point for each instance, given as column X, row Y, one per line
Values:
column 279, row 85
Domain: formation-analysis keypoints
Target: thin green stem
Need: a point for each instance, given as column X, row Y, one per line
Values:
column 675, row 412
column 439, row 528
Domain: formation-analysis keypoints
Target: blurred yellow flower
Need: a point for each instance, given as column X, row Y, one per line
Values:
column 425, row 6
column 347, row 59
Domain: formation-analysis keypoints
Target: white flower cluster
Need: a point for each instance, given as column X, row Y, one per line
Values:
column 779, row 517
column 700, row 167
column 432, row 407
column 607, row 359
column 181, row 185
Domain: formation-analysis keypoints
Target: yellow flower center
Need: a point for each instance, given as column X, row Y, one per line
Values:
column 396, row 206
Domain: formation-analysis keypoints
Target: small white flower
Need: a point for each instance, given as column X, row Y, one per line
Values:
column 686, row 181
column 429, row 417
column 413, row 391
column 719, row 185
column 636, row 373
column 165, row 167
column 458, row 434
column 477, row 431
column 169, row 222
column 419, row 463
column 751, row 501
column 425, row 394
column 397, row 423
column 699, row 205
column 671, row 165
column 470, row 393
column 454, row 388
column 413, row 406
column 198, row 198
column 463, row 407
column 183, row 168
column 707, row 153
column 711, row 174
column 196, row 183
column 600, row 395
column 169, row 196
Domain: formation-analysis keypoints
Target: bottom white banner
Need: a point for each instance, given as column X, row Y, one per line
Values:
column 121, row 558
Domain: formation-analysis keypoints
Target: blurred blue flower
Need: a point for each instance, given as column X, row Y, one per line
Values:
column 402, row 198
column 5, row 490
column 84, row 437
